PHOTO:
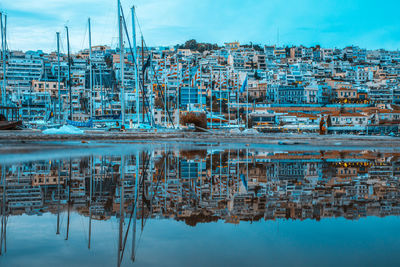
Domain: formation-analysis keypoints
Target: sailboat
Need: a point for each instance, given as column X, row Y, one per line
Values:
column 9, row 116
column 70, row 121
column 6, row 123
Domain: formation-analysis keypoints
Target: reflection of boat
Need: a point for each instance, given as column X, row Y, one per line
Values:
column 9, row 118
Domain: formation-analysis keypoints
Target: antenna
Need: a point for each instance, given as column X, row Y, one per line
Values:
column 277, row 36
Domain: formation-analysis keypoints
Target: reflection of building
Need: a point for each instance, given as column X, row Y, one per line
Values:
column 200, row 186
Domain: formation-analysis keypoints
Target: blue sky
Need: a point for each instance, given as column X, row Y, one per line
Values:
column 330, row 23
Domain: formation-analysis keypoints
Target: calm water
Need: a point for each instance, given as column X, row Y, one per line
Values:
column 200, row 205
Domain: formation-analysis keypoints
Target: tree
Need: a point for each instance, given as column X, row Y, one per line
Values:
column 329, row 121
column 200, row 47
column 250, row 123
column 215, row 103
column 198, row 119
column 193, row 154
column 108, row 60
column 191, row 44
column 224, row 106
column 322, row 127
column 158, row 103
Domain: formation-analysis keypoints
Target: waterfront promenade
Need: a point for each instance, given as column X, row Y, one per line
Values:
column 283, row 139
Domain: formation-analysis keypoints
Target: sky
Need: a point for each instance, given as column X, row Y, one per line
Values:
column 369, row 24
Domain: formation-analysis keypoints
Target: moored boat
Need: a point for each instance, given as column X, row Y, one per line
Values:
column 9, row 119
column 10, row 125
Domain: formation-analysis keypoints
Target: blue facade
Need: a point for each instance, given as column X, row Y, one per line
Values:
column 189, row 95
column 290, row 95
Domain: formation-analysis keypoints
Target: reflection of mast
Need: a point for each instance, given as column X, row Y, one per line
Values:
column 165, row 181
column 58, row 202
column 121, row 208
column 90, row 201
column 135, row 207
column 229, row 174
column 69, row 196
column 143, row 184
column 220, row 173
column 201, row 177
column 237, row 170
column 3, row 212
column 247, row 167
column 211, row 169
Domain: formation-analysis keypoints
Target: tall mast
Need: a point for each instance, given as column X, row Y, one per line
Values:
column 3, row 29
column 229, row 102
column 200, row 88
column 143, row 70
column 102, row 93
column 90, row 71
column 237, row 99
column 189, row 86
column 211, row 97
column 151, row 93
column 247, row 105
column 136, row 62
column 59, row 77
column 121, row 61
column 220, row 99
column 178, row 93
column 165, row 91
column 69, row 76
column 1, row 33
column 4, row 58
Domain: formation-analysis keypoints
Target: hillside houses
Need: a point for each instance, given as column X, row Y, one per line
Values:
column 299, row 79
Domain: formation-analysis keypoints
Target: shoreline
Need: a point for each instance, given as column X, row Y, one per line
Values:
column 282, row 139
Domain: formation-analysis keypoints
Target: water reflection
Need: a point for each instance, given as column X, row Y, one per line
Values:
column 200, row 186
